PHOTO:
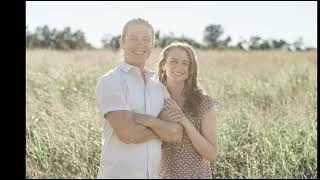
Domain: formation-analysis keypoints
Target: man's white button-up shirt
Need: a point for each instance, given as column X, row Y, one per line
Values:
column 123, row 88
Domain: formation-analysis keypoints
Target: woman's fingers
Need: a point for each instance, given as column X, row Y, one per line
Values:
column 172, row 103
column 175, row 116
column 165, row 107
column 173, row 111
column 175, row 119
column 169, row 104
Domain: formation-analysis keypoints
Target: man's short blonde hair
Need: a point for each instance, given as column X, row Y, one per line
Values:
column 135, row 21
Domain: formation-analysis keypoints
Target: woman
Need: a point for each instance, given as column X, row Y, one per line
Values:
column 194, row 110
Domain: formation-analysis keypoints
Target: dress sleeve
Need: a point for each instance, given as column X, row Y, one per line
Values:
column 207, row 103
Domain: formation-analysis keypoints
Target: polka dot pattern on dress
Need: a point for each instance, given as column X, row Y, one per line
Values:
column 181, row 160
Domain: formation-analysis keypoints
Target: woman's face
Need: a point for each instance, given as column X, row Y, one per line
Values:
column 177, row 65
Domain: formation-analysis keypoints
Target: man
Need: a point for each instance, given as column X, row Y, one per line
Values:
column 129, row 99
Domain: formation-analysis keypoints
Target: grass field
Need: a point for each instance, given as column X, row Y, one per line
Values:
column 267, row 112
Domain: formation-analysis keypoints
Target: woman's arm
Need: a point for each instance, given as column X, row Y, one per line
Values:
column 206, row 141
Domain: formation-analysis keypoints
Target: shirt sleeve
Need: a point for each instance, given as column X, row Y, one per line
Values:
column 110, row 95
column 165, row 91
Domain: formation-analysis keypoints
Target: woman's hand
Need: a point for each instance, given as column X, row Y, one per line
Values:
column 174, row 111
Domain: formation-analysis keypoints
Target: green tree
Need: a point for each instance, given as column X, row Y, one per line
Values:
column 280, row 44
column 212, row 33
column 225, row 43
column 165, row 40
column 254, row 42
column 265, row 45
column 111, row 42
column 242, row 44
column 157, row 35
column 43, row 37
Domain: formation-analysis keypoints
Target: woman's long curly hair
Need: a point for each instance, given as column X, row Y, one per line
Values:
column 191, row 90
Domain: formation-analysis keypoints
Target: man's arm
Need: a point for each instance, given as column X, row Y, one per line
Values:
column 112, row 103
column 126, row 129
column 166, row 130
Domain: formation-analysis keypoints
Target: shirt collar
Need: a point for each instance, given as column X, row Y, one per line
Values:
column 128, row 67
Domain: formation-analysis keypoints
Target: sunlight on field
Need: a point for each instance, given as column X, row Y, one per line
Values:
column 267, row 112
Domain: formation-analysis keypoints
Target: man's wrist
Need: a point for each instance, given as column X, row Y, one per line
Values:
column 150, row 120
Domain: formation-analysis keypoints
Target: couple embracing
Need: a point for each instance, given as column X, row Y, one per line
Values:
column 155, row 125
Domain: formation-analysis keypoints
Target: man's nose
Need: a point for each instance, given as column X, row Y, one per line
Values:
column 140, row 41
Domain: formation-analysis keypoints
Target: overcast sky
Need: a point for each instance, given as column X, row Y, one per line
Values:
column 286, row 20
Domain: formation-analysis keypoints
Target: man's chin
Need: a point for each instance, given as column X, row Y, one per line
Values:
column 140, row 58
column 136, row 62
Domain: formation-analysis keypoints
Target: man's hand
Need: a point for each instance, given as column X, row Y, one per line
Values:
column 143, row 119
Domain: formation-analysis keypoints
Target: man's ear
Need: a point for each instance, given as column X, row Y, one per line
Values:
column 121, row 43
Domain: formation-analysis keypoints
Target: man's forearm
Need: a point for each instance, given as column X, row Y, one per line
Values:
column 141, row 134
column 167, row 131
column 126, row 129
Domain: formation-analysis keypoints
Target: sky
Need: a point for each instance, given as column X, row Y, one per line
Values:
column 287, row 20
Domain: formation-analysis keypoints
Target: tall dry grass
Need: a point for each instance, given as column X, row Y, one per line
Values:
column 266, row 114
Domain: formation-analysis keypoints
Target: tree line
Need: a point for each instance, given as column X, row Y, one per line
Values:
column 44, row 37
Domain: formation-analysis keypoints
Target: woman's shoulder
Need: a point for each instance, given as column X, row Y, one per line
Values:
column 207, row 102
column 205, row 98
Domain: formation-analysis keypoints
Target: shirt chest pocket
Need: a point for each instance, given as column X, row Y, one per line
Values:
column 155, row 100
column 155, row 105
column 136, row 99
